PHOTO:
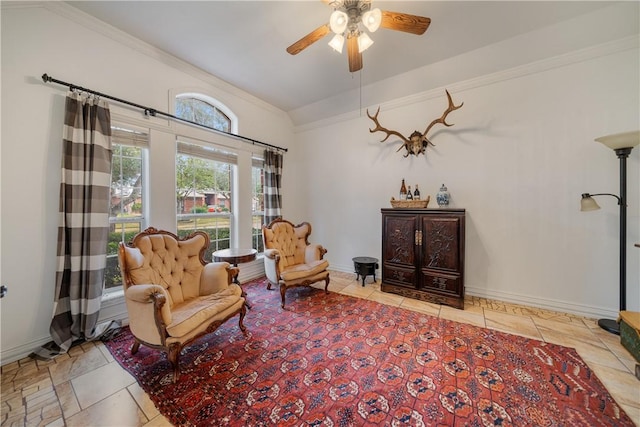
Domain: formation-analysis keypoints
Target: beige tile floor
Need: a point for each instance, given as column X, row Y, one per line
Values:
column 87, row 387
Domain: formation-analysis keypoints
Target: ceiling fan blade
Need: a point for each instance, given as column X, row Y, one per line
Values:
column 309, row 39
column 404, row 22
column 355, row 57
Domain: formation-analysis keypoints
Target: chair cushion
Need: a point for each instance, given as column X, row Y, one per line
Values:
column 300, row 271
column 188, row 315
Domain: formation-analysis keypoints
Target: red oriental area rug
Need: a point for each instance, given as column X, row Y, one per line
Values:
column 336, row 360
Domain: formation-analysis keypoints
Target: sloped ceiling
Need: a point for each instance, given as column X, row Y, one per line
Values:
column 244, row 42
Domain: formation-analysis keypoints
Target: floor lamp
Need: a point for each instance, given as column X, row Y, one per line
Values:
column 622, row 144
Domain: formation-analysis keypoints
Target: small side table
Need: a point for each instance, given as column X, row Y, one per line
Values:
column 236, row 256
column 365, row 266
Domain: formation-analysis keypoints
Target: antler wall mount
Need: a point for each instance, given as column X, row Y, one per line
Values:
column 417, row 142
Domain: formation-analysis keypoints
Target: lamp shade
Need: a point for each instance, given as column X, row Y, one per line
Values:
column 621, row 140
column 372, row 19
column 587, row 203
column 364, row 42
column 337, row 42
column 338, row 21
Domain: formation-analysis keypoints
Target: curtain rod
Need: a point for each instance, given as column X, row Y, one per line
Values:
column 153, row 112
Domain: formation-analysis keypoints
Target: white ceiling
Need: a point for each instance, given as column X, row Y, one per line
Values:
column 244, row 42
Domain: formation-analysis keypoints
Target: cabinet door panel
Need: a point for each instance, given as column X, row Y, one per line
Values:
column 399, row 244
column 441, row 237
column 399, row 251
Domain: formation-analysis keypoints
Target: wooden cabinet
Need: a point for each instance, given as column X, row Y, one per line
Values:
column 423, row 254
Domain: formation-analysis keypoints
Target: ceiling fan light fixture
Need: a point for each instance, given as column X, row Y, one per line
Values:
column 337, row 42
column 364, row 42
column 344, row 21
column 338, row 21
column 372, row 19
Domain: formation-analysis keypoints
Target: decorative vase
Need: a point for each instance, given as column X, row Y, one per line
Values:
column 442, row 197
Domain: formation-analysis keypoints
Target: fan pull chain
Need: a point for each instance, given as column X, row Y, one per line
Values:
column 360, row 73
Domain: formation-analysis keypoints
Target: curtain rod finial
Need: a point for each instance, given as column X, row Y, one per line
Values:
column 46, row 78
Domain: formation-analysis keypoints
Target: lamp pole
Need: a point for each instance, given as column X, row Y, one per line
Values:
column 622, row 154
column 611, row 325
column 622, row 144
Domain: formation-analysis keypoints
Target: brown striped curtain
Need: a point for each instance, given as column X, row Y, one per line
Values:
column 83, row 222
column 272, row 182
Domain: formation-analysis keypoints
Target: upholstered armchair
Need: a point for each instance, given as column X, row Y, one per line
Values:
column 173, row 296
column 289, row 259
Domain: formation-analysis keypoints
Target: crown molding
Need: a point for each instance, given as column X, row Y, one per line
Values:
column 586, row 54
column 119, row 36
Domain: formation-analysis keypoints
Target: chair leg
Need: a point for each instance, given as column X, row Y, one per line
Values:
column 243, row 311
column 173, row 355
column 135, row 347
column 283, row 289
column 326, row 285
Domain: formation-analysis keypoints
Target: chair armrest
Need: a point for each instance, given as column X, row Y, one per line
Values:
column 314, row 253
column 272, row 264
column 216, row 276
column 149, row 313
column 271, row 253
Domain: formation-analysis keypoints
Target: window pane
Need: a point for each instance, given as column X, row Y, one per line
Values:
column 204, row 199
column 126, row 181
column 203, row 185
column 201, row 112
column 122, row 232
column 217, row 226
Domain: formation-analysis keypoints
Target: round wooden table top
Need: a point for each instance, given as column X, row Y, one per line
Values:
column 235, row 255
column 364, row 260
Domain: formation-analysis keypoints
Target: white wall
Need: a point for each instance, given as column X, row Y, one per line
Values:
column 517, row 159
column 50, row 39
column 520, row 154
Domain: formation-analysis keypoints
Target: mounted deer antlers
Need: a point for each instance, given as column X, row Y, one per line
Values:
column 417, row 142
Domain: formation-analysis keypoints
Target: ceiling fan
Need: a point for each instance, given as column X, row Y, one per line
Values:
column 345, row 23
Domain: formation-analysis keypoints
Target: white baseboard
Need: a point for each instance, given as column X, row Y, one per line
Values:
column 116, row 310
column 251, row 270
column 20, row 352
column 348, row 268
column 545, row 303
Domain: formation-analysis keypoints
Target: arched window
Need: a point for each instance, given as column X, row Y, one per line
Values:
column 202, row 110
column 205, row 173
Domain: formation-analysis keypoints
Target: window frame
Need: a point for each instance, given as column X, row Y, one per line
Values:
column 212, row 153
column 215, row 103
column 257, row 224
column 243, row 232
column 138, row 138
